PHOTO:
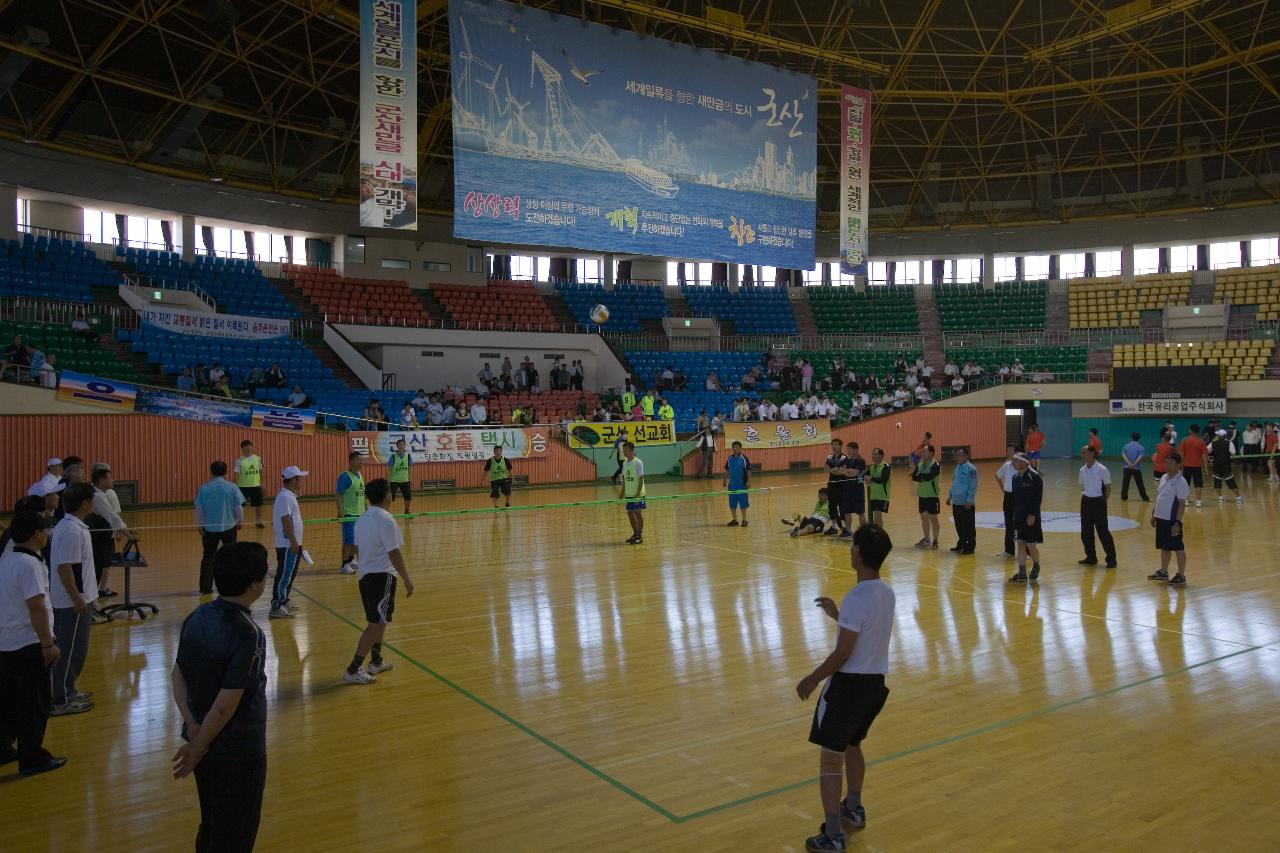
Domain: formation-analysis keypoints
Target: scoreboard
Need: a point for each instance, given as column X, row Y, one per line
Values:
column 1167, row 391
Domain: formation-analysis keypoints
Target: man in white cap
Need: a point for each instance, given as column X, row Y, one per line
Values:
column 286, row 523
column 52, row 476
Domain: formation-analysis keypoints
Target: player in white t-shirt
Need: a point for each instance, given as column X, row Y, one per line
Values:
column 855, row 691
column 286, row 524
column 380, row 545
column 73, row 589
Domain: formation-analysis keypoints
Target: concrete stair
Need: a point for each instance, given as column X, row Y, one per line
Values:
column 930, row 331
column 1099, row 361
column 330, row 360
column 1202, row 293
column 309, row 312
column 559, row 309
column 431, row 305
column 805, row 322
column 677, row 304
column 109, row 297
column 1057, row 313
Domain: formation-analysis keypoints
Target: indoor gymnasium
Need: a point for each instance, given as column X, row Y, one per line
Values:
column 639, row 425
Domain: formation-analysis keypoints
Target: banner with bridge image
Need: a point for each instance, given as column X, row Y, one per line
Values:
column 568, row 133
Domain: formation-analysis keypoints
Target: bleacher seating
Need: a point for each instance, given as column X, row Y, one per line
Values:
column 729, row 368
column 753, row 310
column 1105, row 303
column 1010, row 305
column 52, row 268
column 878, row 362
column 362, row 300
column 842, row 310
column 1258, row 286
column 235, row 284
column 173, row 352
column 628, row 304
column 514, row 304
column 1064, row 359
column 73, row 352
column 1239, row 359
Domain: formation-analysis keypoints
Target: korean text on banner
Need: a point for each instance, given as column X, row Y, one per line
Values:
column 855, row 178
column 569, row 133
column 389, row 114
column 214, row 325
column 465, row 444
column 603, row 434
column 96, row 391
column 774, row 434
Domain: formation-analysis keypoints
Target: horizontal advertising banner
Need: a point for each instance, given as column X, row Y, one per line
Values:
column 603, row 434
column 769, row 434
column 183, row 322
column 569, row 133
column 1203, row 406
column 108, row 393
column 467, row 444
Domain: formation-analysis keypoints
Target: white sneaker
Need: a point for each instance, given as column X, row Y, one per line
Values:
column 1239, row 499
column 1222, row 499
column 379, row 668
column 280, row 612
column 1199, row 503
column 348, row 568
column 358, row 677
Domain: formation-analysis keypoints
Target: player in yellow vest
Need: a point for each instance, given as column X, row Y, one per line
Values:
column 516, row 415
column 628, row 401
column 398, row 467
column 646, row 404
column 499, row 470
column 632, row 491
column 249, row 479
column 350, row 496
column 878, row 486
column 665, row 412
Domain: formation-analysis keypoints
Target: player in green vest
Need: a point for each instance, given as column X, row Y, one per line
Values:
column 632, row 491
column 665, row 412
column 517, row 414
column 249, row 479
column 646, row 404
column 878, row 486
column 499, row 468
column 628, row 401
column 925, row 476
column 398, row 473
column 350, row 496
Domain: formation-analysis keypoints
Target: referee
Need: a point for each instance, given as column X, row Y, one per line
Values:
column 219, row 514
column 1095, row 488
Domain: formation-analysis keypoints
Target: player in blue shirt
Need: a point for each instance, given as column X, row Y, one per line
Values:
column 737, row 477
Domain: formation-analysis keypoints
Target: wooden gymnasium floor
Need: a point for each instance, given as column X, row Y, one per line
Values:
column 556, row 689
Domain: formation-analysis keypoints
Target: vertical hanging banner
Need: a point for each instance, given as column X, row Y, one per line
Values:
column 389, row 114
column 855, row 178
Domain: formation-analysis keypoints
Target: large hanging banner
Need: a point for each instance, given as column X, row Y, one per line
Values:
column 604, row 433
column 182, row 322
column 389, row 114
column 855, row 178
column 465, row 444
column 568, row 133
column 775, row 434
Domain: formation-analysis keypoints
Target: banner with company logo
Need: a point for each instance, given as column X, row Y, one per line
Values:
column 389, row 114
column 855, row 178
column 95, row 391
column 603, row 434
column 465, row 444
column 775, row 434
column 182, row 322
column 299, row 421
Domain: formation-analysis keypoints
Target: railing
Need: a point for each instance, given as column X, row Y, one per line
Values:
column 144, row 286
column 27, row 310
column 53, row 233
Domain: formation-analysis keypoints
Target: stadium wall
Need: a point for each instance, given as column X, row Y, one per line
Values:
column 417, row 252
column 170, row 458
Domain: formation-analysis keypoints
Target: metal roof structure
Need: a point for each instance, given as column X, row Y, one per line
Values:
column 986, row 112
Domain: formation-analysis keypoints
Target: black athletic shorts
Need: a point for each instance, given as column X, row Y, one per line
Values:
column 879, row 506
column 854, row 500
column 1165, row 540
column 503, row 486
column 1195, row 476
column 1032, row 534
column 403, row 488
column 378, row 594
column 930, row 505
column 252, row 495
column 1229, row 479
column 846, row 709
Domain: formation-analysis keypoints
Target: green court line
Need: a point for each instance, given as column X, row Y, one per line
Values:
column 487, row 510
column 506, row 718
column 981, row 730
column 710, row 810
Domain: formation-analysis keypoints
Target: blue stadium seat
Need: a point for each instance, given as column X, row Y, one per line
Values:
column 52, row 269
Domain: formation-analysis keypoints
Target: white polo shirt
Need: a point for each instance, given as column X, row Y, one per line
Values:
column 72, row 544
column 47, row 480
column 377, row 535
column 1093, row 478
column 107, row 505
column 286, row 505
column 868, row 610
column 23, row 575
column 1006, row 473
column 1170, row 489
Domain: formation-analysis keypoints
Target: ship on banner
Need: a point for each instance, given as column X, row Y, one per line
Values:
column 568, row 133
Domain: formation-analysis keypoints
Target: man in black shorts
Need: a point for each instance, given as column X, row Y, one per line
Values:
column 381, row 547
column 836, row 478
column 499, row 470
column 1028, row 493
column 854, row 500
column 856, row 692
